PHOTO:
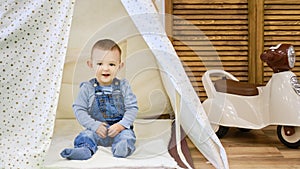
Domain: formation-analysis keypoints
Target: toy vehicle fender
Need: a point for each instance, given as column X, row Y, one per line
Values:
column 222, row 112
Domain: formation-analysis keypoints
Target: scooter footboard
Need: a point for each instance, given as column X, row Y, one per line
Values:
column 208, row 82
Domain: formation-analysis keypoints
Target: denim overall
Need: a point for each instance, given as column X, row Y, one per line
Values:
column 108, row 108
column 111, row 105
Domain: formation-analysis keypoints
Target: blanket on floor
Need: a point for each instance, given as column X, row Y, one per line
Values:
column 153, row 137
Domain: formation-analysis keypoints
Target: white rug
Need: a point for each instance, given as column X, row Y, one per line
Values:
column 153, row 137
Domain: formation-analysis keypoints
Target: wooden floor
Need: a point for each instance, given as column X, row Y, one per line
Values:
column 257, row 149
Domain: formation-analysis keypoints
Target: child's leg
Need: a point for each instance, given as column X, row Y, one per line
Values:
column 84, row 147
column 123, row 144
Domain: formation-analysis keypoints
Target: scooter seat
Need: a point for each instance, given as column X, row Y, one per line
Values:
column 236, row 87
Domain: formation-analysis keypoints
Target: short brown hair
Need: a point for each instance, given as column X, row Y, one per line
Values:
column 106, row 44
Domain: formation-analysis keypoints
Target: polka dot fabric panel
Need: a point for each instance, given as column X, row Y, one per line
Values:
column 33, row 44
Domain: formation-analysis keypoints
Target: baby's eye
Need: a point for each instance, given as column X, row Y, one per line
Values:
column 112, row 64
column 99, row 64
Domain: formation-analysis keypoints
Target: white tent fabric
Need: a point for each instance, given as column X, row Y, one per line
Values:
column 33, row 44
column 190, row 109
column 33, row 40
column 151, row 147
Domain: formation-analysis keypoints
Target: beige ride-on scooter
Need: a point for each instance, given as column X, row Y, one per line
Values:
column 231, row 103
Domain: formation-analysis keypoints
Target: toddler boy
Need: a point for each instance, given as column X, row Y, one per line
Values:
column 105, row 106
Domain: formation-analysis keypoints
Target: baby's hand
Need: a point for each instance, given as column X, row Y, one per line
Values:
column 115, row 129
column 102, row 130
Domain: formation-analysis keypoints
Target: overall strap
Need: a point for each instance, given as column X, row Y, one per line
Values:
column 96, row 85
column 93, row 82
column 99, row 95
column 116, row 85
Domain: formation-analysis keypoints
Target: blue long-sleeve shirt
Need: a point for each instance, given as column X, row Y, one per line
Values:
column 85, row 100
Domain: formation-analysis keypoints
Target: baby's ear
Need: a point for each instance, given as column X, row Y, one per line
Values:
column 121, row 65
column 89, row 63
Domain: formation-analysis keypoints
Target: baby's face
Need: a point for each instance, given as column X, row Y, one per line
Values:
column 106, row 65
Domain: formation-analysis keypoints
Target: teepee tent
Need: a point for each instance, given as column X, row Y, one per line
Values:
column 39, row 83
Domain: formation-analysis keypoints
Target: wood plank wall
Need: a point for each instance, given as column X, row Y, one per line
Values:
column 231, row 34
column 211, row 34
column 282, row 25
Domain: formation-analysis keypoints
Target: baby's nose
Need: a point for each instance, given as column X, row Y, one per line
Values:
column 105, row 67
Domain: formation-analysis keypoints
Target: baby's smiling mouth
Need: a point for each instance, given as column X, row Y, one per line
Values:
column 106, row 74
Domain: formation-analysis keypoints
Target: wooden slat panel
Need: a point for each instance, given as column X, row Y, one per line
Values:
column 208, row 11
column 205, row 27
column 199, row 74
column 230, row 69
column 281, row 25
column 221, row 53
column 208, row 2
column 214, row 43
column 211, row 34
column 218, row 48
column 229, row 38
column 286, row 12
column 204, row 6
column 282, row 38
column 290, row 3
column 223, row 59
column 224, row 64
column 210, row 22
column 283, row 33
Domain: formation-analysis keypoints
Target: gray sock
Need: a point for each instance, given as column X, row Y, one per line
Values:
column 81, row 153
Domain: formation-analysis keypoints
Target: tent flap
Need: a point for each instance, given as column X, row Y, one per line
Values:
column 148, row 23
column 33, row 39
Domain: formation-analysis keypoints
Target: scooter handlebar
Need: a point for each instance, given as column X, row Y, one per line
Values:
column 208, row 83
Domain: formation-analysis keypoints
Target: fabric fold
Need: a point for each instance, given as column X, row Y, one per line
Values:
column 192, row 116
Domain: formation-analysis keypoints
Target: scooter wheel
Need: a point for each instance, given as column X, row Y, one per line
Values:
column 292, row 141
column 222, row 131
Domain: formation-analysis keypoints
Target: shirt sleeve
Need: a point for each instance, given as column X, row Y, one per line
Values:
column 81, row 107
column 130, row 103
